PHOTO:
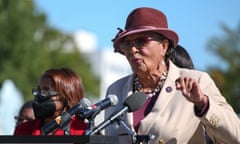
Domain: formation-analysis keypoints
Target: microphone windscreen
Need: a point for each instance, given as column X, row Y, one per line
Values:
column 135, row 101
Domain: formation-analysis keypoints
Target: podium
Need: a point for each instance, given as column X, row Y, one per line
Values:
column 94, row 139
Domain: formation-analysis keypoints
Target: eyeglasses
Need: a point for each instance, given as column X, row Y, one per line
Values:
column 139, row 42
column 41, row 94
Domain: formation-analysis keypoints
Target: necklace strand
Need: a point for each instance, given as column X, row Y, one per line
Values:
column 138, row 86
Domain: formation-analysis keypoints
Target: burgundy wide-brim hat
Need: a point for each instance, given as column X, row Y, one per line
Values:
column 145, row 19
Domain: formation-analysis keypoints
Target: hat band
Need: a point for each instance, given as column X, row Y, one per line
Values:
column 144, row 27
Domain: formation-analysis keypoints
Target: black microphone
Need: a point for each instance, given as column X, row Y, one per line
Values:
column 63, row 120
column 90, row 112
column 131, row 104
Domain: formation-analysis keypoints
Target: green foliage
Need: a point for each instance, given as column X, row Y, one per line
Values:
column 227, row 48
column 28, row 46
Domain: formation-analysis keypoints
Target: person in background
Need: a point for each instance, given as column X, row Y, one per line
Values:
column 25, row 113
column 182, row 104
column 181, row 58
column 58, row 90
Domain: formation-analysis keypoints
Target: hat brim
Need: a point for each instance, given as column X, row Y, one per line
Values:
column 170, row 34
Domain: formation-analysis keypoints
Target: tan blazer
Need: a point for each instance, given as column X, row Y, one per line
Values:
column 172, row 119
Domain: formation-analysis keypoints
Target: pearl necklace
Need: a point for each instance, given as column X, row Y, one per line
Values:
column 138, row 86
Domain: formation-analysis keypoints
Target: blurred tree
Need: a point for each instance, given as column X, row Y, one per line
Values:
column 28, row 46
column 226, row 75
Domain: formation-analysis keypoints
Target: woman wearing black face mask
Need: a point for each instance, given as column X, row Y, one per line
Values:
column 58, row 90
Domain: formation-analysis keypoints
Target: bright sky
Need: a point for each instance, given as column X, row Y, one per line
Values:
column 194, row 21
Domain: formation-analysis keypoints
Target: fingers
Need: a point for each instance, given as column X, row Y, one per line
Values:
column 185, row 84
column 190, row 90
column 188, row 83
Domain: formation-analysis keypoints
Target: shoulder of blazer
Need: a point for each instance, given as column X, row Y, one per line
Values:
column 121, row 82
column 175, row 72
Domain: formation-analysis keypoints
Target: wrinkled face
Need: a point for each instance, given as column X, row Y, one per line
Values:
column 144, row 51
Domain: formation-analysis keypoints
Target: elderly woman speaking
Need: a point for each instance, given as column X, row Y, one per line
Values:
column 183, row 105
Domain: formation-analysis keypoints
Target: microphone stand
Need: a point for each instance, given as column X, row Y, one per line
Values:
column 91, row 123
column 129, row 131
column 89, row 127
column 137, row 139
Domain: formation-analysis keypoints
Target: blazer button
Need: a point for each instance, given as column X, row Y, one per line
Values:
column 214, row 120
column 161, row 141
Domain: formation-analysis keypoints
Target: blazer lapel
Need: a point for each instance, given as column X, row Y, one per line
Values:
column 167, row 93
